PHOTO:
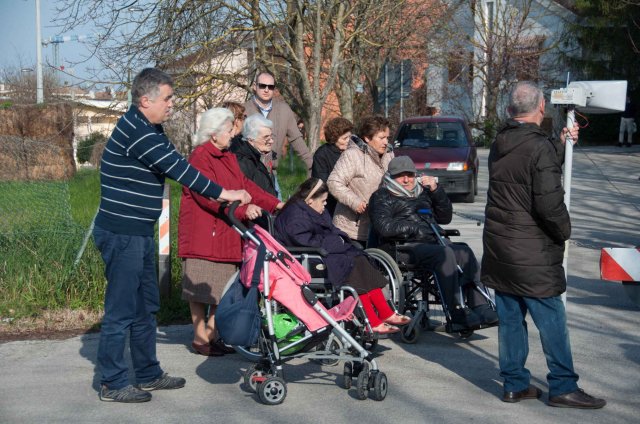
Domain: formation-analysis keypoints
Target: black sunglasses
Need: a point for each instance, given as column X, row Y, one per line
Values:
column 262, row 86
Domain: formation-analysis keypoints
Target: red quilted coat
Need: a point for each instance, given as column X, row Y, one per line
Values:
column 201, row 231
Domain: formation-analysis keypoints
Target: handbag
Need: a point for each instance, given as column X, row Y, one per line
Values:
column 238, row 318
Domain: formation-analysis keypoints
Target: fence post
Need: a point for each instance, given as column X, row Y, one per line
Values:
column 164, row 244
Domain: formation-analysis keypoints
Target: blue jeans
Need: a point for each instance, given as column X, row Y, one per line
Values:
column 131, row 302
column 549, row 316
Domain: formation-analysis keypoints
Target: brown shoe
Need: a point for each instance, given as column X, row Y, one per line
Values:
column 578, row 399
column 205, row 349
column 530, row 392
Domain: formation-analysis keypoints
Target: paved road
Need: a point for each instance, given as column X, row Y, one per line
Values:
column 441, row 379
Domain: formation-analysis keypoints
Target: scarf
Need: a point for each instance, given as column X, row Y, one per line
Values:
column 397, row 190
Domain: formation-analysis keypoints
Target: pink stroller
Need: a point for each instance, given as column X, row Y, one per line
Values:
column 313, row 332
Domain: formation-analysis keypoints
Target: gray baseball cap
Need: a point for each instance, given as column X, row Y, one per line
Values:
column 401, row 164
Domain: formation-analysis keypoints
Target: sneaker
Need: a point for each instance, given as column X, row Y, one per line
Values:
column 164, row 382
column 488, row 315
column 466, row 318
column 128, row 394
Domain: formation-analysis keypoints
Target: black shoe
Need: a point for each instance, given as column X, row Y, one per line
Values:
column 619, row 144
column 219, row 345
column 578, row 399
column 466, row 318
column 530, row 392
column 488, row 315
column 627, row 145
column 128, row 394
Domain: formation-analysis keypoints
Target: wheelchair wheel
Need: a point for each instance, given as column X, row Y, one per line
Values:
column 385, row 263
column 333, row 343
column 409, row 334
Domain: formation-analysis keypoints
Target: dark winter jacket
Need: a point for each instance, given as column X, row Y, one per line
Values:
column 299, row 225
column 252, row 166
column 526, row 222
column 324, row 160
column 397, row 218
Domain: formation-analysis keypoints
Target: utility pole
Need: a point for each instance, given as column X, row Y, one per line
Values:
column 39, row 85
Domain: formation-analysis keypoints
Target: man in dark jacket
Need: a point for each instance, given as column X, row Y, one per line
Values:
column 394, row 211
column 526, row 226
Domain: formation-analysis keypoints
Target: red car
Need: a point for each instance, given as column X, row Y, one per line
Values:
column 441, row 146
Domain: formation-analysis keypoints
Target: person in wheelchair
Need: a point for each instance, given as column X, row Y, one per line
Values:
column 304, row 222
column 398, row 213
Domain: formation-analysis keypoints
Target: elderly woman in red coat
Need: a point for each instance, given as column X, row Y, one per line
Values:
column 209, row 248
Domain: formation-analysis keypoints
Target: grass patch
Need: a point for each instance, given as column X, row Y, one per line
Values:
column 42, row 226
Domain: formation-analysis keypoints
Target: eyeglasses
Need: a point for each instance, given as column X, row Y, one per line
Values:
column 262, row 86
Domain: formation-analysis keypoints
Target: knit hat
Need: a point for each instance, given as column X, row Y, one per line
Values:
column 401, row 164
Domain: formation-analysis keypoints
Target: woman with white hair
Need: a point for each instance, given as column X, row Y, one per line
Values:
column 209, row 248
column 255, row 154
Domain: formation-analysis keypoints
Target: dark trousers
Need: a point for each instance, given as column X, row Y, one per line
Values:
column 443, row 261
column 513, row 338
column 131, row 302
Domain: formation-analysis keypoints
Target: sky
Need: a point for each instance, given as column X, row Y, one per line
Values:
column 18, row 38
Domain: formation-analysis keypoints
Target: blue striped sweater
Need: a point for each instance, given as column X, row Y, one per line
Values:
column 136, row 159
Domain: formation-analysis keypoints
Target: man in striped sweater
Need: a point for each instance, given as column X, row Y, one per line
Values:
column 136, row 160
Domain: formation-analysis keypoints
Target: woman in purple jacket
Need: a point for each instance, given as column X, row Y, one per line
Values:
column 304, row 222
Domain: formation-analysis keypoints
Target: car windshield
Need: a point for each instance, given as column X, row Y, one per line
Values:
column 432, row 134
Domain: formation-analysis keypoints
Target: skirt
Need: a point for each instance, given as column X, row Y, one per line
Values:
column 203, row 281
column 364, row 277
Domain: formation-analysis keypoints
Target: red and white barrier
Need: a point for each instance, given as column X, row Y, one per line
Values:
column 620, row 264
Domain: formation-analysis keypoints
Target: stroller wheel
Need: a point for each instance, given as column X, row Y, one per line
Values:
column 272, row 391
column 347, row 375
column 380, row 386
column 249, row 377
column 362, row 385
column 409, row 334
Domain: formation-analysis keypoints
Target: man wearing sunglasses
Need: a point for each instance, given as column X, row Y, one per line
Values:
column 283, row 118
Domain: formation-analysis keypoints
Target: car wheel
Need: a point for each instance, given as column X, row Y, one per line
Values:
column 471, row 196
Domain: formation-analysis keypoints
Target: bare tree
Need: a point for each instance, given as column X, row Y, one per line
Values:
column 492, row 45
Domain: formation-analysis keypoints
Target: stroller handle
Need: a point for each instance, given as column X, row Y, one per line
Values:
column 231, row 215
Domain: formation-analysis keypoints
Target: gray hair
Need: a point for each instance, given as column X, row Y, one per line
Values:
column 212, row 122
column 524, row 98
column 147, row 83
column 253, row 124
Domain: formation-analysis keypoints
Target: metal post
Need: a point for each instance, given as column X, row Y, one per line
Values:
column 568, row 168
column 39, row 84
column 164, row 244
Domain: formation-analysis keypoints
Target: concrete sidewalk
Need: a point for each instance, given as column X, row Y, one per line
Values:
column 441, row 379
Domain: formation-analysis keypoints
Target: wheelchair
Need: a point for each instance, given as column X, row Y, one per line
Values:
column 415, row 291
